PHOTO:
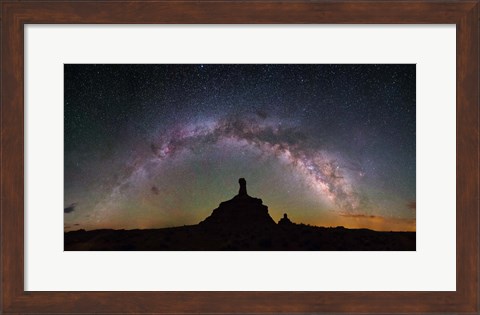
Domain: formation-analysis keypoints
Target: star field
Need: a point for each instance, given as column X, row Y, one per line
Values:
column 150, row 146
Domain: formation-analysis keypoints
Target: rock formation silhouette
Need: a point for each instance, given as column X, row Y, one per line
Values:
column 285, row 220
column 240, row 212
column 243, row 187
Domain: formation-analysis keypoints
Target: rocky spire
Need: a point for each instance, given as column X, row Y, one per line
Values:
column 285, row 220
column 243, row 187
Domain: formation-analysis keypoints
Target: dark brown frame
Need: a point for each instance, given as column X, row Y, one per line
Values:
column 15, row 15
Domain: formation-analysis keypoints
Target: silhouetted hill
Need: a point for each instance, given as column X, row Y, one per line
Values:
column 240, row 213
column 242, row 223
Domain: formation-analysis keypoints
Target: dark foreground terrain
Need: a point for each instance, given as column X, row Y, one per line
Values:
column 241, row 223
column 280, row 238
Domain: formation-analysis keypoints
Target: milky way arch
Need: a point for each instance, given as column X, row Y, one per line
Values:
column 280, row 138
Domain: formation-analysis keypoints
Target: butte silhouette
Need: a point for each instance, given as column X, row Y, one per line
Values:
column 240, row 212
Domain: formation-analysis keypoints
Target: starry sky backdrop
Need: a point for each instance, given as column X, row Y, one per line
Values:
column 151, row 146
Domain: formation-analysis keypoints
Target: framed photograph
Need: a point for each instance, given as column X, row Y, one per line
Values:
column 240, row 157
column 291, row 125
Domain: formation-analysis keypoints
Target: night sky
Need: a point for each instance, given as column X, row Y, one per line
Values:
column 151, row 146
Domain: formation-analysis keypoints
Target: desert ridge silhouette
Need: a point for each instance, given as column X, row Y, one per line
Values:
column 240, row 212
column 240, row 224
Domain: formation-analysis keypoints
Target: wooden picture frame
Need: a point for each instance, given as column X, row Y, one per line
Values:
column 15, row 14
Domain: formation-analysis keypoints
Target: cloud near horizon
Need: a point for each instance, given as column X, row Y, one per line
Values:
column 70, row 208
